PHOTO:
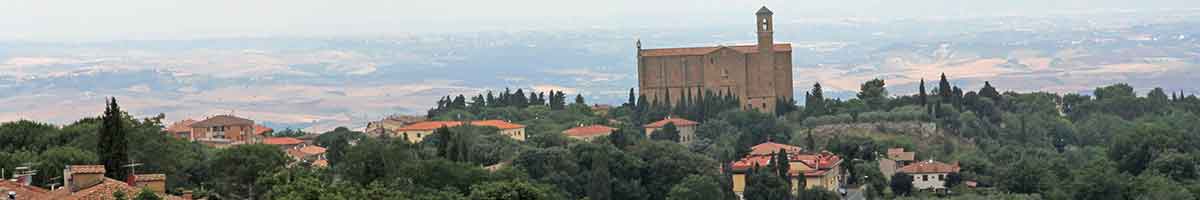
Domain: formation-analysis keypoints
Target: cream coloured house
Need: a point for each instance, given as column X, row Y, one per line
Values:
column 929, row 175
column 417, row 132
column 687, row 128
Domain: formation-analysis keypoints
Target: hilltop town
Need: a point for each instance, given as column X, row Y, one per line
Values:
column 711, row 122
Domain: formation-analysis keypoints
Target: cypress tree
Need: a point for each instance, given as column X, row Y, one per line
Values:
column 632, row 101
column 113, row 146
column 944, row 89
column 921, row 95
column 989, row 92
column 491, row 99
column 600, row 185
column 579, row 99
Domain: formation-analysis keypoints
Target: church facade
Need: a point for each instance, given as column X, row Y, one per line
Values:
column 758, row 75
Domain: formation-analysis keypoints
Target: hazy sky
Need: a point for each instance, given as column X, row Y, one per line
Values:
column 53, row 20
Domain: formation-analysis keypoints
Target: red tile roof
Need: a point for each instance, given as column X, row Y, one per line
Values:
column 899, row 154
column 321, row 163
column 761, row 155
column 23, row 191
column 429, row 125
column 500, row 124
column 181, row 126
column 694, row 51
column 86, row 169
column 312, row 150
column 588, row 131
column 769, row 148
column 102, row 191
column 678, row 122
column 223, row 120
column 282, row 141
column 150, row 177
column 928, row 167
column 259, row 129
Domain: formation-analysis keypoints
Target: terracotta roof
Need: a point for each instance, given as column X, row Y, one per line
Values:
column 601, row 107
column 312, row 150
column 429, row 125
column 222, row 120
column 86, row 169
column 769, row 148
column 321, row 163
column 150, row 177
column 899, row 154
column 818, row 163
column 259, row 129
column 282, row 141
column 696, row 51
column 181, row 126
column 589, row 130
column 102, row 191
column 23, row 191
column 678, row 122
column 500, row 124
column 823, row 160
column 927, row 167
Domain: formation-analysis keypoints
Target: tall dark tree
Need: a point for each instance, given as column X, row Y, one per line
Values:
column 989, row 92
column 902, row 184
column 579, row 99
column 518, row 99
column 944, row 89
column 874, row 94
column 783, row 165
column 600, row 183
column 921, row 95
column 113, row 147
column 632, row 99
column 815, row 103
column 668, row 132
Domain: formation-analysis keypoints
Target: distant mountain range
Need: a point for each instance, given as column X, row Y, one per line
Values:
column 321, row 83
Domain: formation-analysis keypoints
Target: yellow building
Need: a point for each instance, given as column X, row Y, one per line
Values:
column 821, row 170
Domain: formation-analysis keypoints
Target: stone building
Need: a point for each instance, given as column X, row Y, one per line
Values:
column 758, row 74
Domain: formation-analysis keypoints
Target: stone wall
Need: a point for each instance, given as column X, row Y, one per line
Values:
column 915, row 128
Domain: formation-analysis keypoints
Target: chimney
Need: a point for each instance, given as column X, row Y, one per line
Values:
column 154, row 182
column 79, row 177
column 187, row 195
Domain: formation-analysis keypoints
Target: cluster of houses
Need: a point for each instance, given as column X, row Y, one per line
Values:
column 222, row 131
column 818, row 170
column 86, row 182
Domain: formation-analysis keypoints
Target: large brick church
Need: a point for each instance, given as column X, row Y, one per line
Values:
column 758, row 74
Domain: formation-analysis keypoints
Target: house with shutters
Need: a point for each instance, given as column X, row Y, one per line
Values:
column 219, row 131
column 930, row 175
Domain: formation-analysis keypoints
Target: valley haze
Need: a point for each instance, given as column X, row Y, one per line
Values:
column 312, row 77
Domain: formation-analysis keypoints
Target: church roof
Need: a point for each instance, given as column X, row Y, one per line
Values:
column 696, row 51
column 763, row 10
